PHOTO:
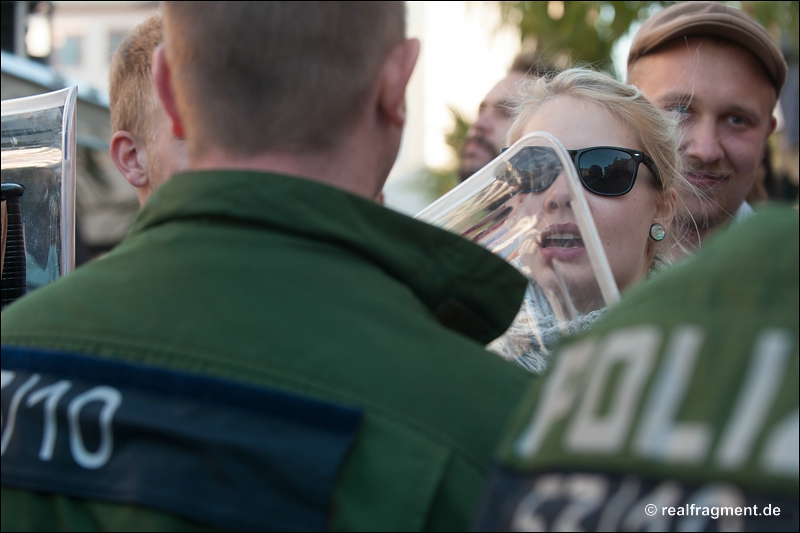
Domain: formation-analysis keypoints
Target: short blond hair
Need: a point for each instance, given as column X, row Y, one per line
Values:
column 653, row 128
column 250, row 77
column 132, row 98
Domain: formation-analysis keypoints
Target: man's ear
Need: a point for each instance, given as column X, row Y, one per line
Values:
column 396, row 72
column 129, row 157
column 163, row 82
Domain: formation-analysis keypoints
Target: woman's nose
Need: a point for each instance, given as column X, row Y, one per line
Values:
column 558, row 196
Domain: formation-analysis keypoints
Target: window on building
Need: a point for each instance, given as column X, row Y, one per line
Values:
column 69, row 55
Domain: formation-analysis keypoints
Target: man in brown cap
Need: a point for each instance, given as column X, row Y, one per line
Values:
column 721, row 73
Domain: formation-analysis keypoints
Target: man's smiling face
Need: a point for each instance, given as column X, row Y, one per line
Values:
column 724, row 100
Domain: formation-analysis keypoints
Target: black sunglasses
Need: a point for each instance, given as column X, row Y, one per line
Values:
column 603, row 170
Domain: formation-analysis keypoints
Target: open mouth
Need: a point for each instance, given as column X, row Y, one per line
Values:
column 562, row 240
column 561, row 236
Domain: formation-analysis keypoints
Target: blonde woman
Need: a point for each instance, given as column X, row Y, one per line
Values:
column 626, row 154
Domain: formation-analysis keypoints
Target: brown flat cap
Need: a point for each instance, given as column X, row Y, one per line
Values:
column 711, row 19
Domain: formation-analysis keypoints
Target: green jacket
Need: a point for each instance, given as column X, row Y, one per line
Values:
column 291, row 285
column 684, row 398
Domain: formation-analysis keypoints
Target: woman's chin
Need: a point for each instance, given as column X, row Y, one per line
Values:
column 576, row 278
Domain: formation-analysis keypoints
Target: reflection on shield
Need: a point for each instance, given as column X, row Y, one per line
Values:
column 528, row 206
column 38, row 144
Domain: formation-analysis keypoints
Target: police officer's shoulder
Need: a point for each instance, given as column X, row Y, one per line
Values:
column 684, row 395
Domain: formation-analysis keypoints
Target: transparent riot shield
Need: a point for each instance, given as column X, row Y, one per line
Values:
column 38, row 175
column 528, row 206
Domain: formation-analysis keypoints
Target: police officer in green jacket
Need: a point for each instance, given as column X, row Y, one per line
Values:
column 268, row 348
column 678, row 412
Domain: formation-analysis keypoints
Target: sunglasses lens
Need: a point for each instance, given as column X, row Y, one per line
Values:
column 533, row 169
column 607, row 171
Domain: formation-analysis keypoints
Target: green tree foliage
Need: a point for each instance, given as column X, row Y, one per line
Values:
column 781, row 20
column 575, row 32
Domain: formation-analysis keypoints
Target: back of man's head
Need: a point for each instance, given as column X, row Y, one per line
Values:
column 253, row 77
column 132, row 100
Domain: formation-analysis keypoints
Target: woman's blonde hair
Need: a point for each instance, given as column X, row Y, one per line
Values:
column 653, row 128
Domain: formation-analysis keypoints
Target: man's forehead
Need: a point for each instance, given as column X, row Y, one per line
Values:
column 505, row 90
column 693, row 49
column 718, row 65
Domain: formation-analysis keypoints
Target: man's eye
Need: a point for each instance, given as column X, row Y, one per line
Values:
column 737, row 120
column 681, row 111
column 680, row 108
column 505, row 111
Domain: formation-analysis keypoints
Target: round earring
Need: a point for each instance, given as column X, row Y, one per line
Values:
column 657, row 232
